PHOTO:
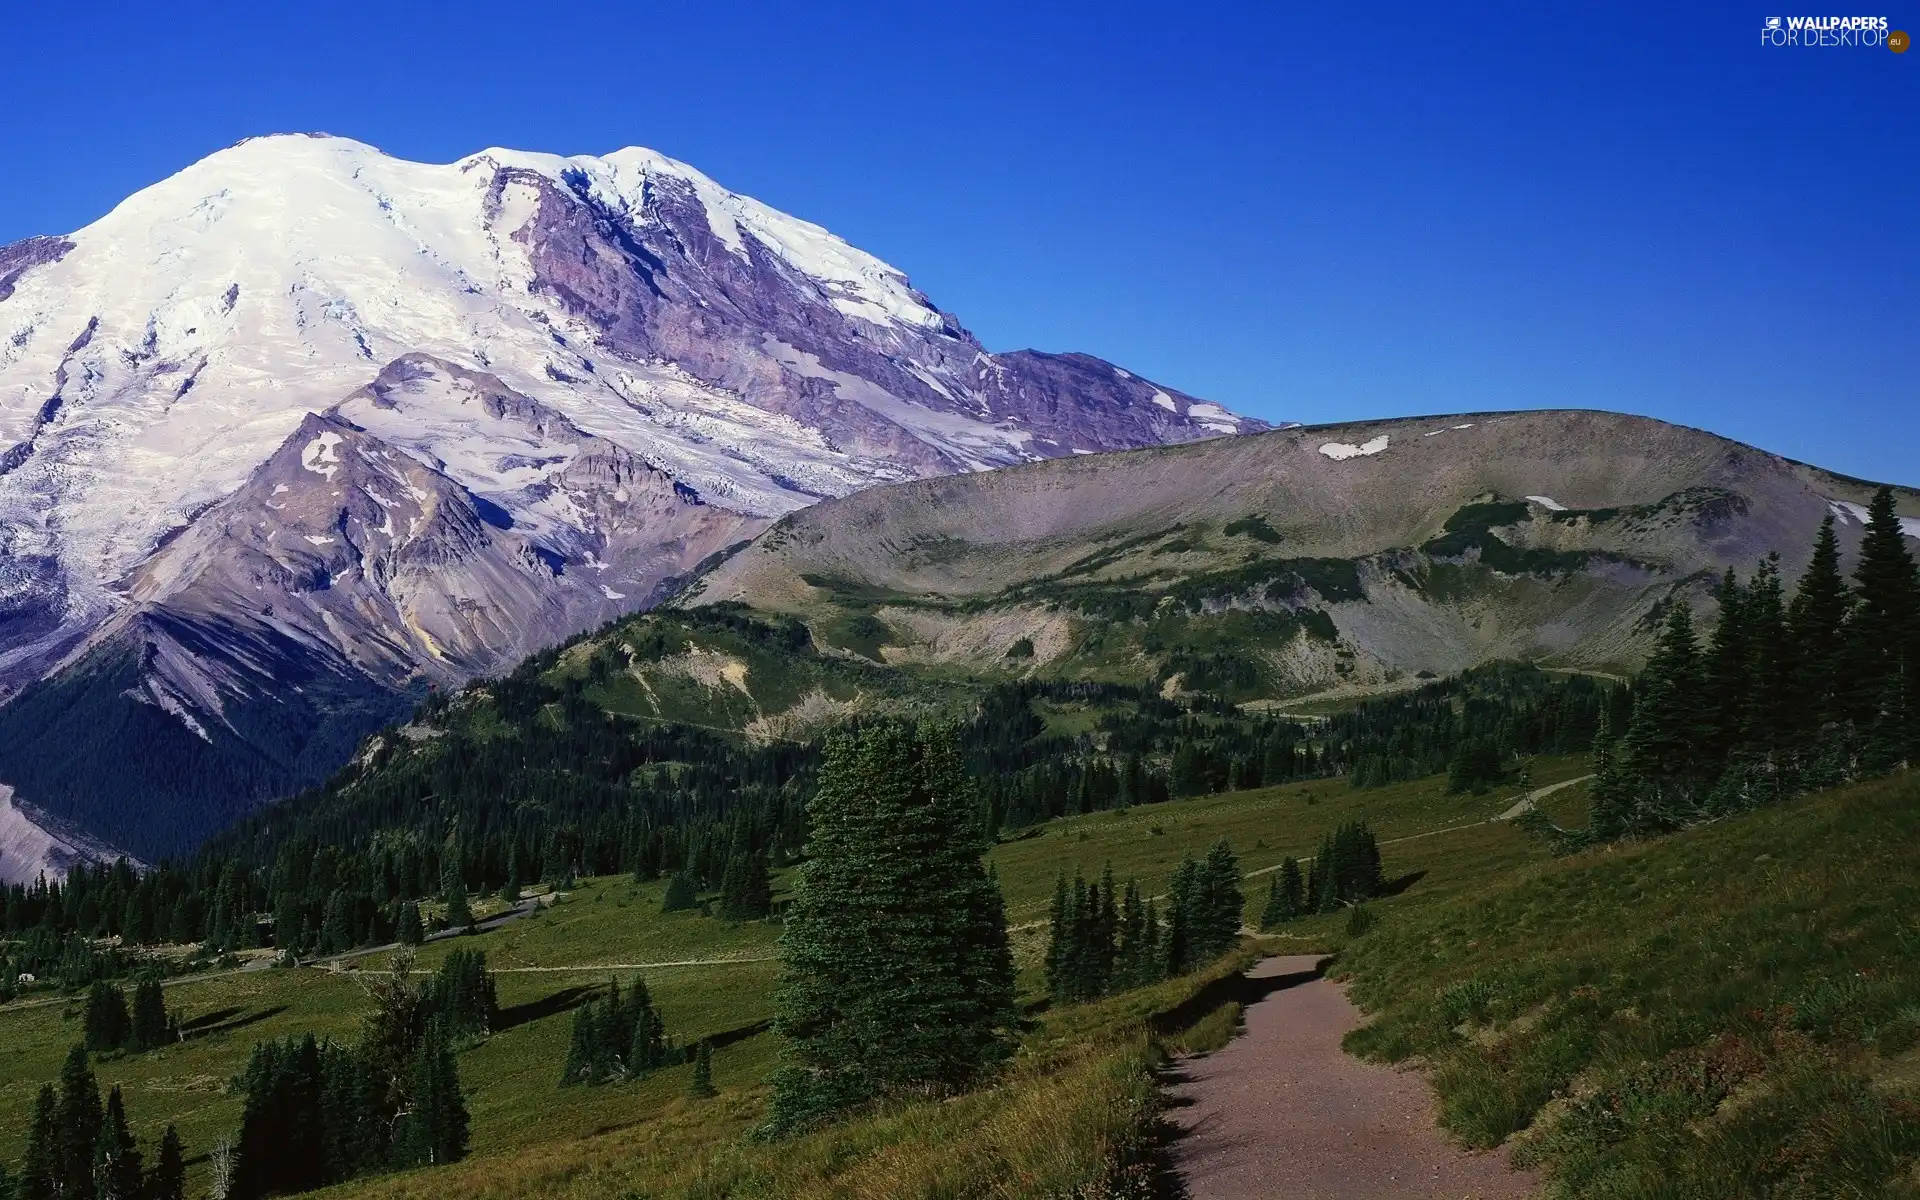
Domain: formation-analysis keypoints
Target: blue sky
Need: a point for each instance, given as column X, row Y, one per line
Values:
column 1307, row 213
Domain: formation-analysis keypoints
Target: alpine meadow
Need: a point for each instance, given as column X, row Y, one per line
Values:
column 539, row 675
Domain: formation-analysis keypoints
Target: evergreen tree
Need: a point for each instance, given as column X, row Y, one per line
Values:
column 461, row 995
column 106, row 1020
column 1284, row 898
column 1664, row 744
column 40, row 1172
column 117, row 1171
column 681, row 894
column 702, row 1086
column 77, row 1123
column 1727, row 674
column 746, row 890
column 1817, row 621
column 168, row 1179
column 898, row 972
column 408, row 929
column 459, row 912
column 435, row 1127
column 1610, row 795
column 150, row 1026
column 1883, row 638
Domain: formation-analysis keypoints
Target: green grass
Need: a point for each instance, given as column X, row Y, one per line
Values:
column 544, row 962
column 1731, row 1011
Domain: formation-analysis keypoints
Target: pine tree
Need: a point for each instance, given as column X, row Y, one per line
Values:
column 1727, row 674
column 150, row 1026
column 1610, row 795
column 106, row 1020
column 1283, row 895
column 702, row 1086
column 1817, row 621
column 459, row 912
column 117, row 1171
column 408, row 929
column 436, row 1125
column 78, row 1121
column 1664, row 744
column 681, row 894
column 40, row 1173
column 581, row 1049
column 898, row 972
column 746, row 892
column 168, row 1179
column 1882, row 639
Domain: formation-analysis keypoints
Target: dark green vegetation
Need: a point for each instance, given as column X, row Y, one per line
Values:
column 1097, row 945
column 618, row 1037
column 1787, row 695
column 77, row 1147
column 897, row 976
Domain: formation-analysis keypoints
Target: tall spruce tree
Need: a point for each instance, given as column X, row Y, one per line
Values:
column 435, row 1128
column 898, row 972
column 78, row 1121
column 1817, row 622
column 106, row 1018
column 150, row 1026
column 40, row 1177
column 1883, row 639
column 168, row 1179
column 1664, row 744
column 117, row 1171
column 701, row 1086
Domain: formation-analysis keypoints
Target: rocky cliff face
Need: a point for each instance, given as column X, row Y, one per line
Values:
column 307, row 412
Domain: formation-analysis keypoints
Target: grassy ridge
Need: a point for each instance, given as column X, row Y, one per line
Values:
column 1731, row 1011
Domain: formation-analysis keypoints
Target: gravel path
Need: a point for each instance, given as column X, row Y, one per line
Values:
column 1282, row 1111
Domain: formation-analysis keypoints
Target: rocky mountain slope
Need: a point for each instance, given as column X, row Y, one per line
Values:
column 306, row 429
column 1331, row 558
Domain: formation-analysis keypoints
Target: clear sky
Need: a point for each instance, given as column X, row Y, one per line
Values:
column 1308, row 213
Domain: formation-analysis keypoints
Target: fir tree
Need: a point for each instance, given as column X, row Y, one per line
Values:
column 701, row 1088
column 1817, row 621
column 40, row 1173
column 77, row 1124
column 106, row 1020
column 1664, row 743
column 436, row 1124
column 408, row 930
column 1283, row 895
column 168, row 1179
column 459, row 912
column 150, row 1026
column 1881, row 637
column 117, row 1171
column 681, row 894
column 898, row 972
column 746, row 891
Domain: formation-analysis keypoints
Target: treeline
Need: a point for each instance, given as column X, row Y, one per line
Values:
column 1101, row 940
column 80, row 1149
column 1788, row 694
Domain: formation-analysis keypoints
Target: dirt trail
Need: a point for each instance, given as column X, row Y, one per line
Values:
column 1282, row 1111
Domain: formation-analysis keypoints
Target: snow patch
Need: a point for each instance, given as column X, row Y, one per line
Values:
column 611, row 594
column 1343, row 450
column 1207, row 411
column 317, row 540
column 1165, row 401
column 1548, row 503
column 1846, row 510
column 321, row 455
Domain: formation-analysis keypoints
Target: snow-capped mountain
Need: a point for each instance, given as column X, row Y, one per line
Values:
column 305, row 426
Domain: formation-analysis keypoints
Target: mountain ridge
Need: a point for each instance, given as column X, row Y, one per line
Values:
column 544, row 387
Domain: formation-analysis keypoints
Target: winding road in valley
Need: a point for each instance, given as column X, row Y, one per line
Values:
column 1283, row 1112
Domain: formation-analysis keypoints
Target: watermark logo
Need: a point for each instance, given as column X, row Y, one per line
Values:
column 1843, row 32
